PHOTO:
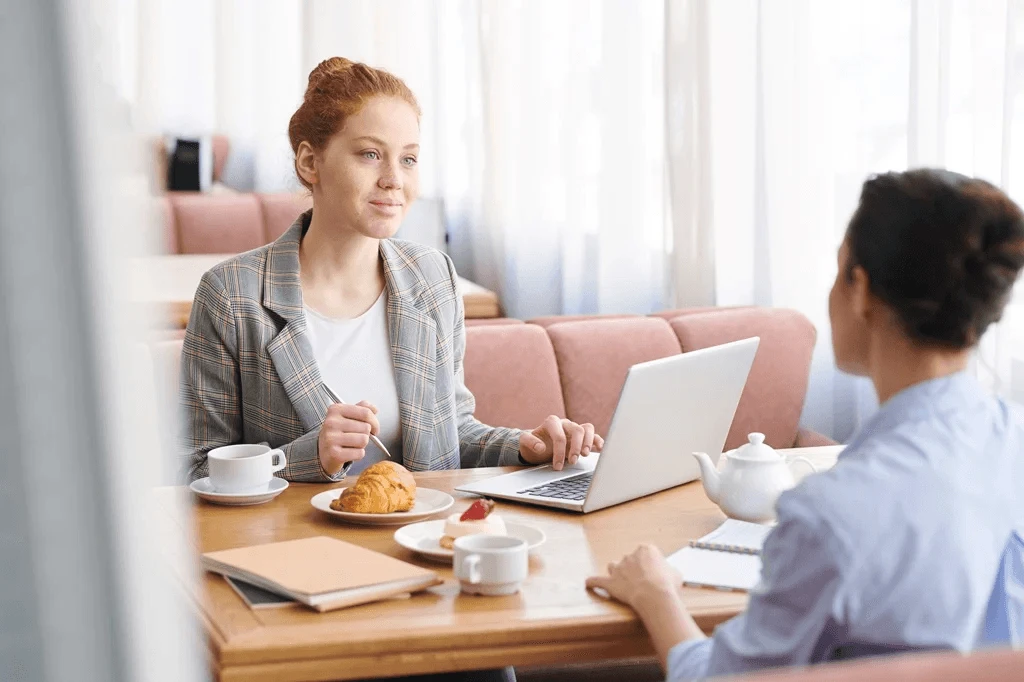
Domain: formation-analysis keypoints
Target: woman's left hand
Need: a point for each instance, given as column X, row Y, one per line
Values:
column 639, row 579
column 559, row 441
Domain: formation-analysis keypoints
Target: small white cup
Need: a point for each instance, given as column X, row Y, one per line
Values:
column 243, row 468
column 491, row 564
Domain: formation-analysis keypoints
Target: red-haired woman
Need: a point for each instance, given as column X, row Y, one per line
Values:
column 336, row 308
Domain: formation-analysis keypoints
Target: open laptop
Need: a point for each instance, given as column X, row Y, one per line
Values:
column 667, row 409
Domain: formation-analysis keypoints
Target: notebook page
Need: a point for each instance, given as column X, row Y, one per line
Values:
column 735, row 536
column 709, row 568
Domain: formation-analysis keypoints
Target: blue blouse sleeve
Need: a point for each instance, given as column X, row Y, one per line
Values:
column 689, row 660
column 793, row 612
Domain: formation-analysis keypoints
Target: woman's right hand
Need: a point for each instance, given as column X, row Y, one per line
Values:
column 345, row 432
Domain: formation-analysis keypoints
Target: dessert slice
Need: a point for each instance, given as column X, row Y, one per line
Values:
column 475, row 520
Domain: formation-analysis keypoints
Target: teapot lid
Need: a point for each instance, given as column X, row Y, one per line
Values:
column 756, row 450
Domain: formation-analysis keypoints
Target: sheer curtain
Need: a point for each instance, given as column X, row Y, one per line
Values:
column 805, row 99
column 543, row 124
column 554, row 154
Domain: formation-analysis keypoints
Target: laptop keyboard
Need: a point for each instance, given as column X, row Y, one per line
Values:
column 572, row 488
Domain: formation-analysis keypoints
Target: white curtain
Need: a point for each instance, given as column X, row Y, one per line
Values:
column 560, row 161
column 543, row 125
column 807, row 98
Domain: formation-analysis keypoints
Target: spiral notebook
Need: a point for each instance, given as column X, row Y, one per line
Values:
column 739, row 537
column 727, row 558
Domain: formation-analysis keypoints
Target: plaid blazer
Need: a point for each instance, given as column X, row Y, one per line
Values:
column 248, row 374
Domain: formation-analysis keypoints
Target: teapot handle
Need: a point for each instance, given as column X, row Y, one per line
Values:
column 804, row 460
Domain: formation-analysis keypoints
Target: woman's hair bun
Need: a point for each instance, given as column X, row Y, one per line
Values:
column 329, row 69
column 941, row 249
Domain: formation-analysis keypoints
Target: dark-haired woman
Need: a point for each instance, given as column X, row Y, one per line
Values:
column 336, row 308
column 914, row 539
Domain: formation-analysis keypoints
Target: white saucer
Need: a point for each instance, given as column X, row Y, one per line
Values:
column 428, row 503
column 204, row 490
column 424, row 538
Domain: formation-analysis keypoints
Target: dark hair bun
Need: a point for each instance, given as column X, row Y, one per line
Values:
column 941, row 249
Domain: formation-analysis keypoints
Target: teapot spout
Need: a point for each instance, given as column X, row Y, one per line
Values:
column 709, row 476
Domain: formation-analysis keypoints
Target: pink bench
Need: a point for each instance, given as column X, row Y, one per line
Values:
column 522, row 372
column 575, row 368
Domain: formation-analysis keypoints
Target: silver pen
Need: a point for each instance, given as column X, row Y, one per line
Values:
column 376, row 441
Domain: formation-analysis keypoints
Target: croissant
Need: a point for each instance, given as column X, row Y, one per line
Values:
column 383, row 488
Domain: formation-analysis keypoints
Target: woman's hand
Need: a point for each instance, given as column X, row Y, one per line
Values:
column 644, row 581
column 559, row 441
column 345, row 432
column 639, row 579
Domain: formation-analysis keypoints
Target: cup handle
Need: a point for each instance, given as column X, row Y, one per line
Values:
column 471, row 568
column 804, row 460
column 281, row 460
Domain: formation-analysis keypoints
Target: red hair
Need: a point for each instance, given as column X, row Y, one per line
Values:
column 337, row 89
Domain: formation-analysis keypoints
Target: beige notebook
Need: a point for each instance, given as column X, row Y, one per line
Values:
column 321, row 572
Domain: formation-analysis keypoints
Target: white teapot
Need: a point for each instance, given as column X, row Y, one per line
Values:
column 750, row 479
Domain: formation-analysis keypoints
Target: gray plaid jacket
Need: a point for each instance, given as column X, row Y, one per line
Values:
column 248, row 374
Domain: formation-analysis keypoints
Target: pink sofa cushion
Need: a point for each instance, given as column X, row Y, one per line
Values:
column 280, row 211
column 222, row 223
column 512, row 373
column 595, row 355
column 773, row 397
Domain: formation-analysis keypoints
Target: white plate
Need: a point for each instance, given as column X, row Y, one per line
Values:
column 204, row 490
column 428, row 503
column 425, row 538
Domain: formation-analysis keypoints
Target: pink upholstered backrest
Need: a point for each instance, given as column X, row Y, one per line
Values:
column 221, row 223
column 773, row 397
column 985, row 666
column 594, row 357
column 549, row 320
column 511, row 372
column 281, row 210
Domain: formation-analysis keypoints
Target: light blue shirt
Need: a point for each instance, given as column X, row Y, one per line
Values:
column 914, row 540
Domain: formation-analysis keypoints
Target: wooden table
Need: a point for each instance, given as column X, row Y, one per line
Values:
column 554, row 619
column 169, row 282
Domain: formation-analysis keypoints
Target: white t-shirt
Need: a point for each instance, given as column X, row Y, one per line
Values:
column 354, row 357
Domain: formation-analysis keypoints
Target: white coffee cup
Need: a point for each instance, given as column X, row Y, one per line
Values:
column 491, row 564
column 243, row 468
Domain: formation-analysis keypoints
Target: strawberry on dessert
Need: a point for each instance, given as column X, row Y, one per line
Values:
column 477, row 519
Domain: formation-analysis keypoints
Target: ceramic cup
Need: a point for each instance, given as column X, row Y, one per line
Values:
column 243, row 468
column 491, row 564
